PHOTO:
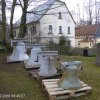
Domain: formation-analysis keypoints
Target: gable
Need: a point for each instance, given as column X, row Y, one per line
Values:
column 59, row 6
column 37, row 13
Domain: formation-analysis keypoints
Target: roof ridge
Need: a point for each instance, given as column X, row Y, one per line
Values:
column 45, row 3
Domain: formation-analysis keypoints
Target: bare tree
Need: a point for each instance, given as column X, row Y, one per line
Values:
column 87, row 11
column 78, row 13
column 97, row 11
column 3, row 5
column 23, row 28
column 24, row 5
column 11, row 19
column 90, row 9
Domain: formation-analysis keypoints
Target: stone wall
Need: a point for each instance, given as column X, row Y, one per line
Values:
column 83, row 51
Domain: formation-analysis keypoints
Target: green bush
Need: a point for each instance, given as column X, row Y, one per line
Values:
column 63, row 47
column 52, row 45
column 62, row 40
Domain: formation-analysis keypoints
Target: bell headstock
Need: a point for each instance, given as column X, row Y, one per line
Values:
column 15, row 41
column 48, row 53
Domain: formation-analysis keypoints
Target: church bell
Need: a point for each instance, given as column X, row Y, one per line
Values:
column 70, row 79
column 47, row 63
column 19, row 52
column 33, row 60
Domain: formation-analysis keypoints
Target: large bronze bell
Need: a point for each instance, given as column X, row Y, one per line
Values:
column 70, row 79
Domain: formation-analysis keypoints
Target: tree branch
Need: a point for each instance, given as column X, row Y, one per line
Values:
column 21, row 4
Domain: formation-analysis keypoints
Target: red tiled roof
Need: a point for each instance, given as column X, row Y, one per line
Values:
column 86, row 30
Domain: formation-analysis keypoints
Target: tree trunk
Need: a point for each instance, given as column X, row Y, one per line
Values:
column 23, row 28
column 11, row 19
column 90, row 12
column 3, row 5
column 98, row 54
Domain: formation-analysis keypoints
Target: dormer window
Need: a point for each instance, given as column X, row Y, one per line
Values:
column 60, row 17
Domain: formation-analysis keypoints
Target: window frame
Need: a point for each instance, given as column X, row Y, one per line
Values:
column 68, row 30
column 60, row 29
column 60, row 15
column 50, row 29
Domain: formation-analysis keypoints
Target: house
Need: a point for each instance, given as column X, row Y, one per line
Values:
column 87, row 36
column 50, row 20
column 86, row 43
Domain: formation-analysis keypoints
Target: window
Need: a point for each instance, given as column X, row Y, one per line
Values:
column 33, row 30
column 60, row 17
column 60, row 29
column 68, row 30
column 50, row 29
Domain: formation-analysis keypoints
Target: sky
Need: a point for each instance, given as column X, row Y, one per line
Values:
column 71, row 4
column 74, row 6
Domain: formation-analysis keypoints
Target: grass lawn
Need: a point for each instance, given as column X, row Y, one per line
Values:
column 14, row 79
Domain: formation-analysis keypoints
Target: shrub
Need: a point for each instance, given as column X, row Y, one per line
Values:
column 64, row 45
column 62, row 40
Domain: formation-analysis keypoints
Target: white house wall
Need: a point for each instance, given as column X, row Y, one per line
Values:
column 53, row 20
